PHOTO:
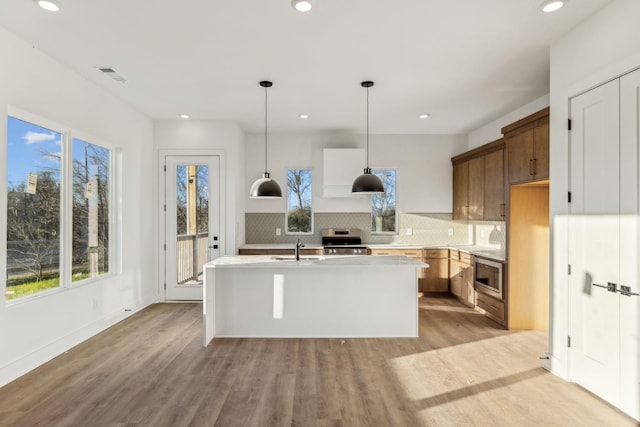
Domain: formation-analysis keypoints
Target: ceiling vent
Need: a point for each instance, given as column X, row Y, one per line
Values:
column 112, row 73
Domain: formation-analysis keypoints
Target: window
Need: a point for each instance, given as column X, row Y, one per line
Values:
column 91, row 169
column 383, row 206
column 299, row 213
column 33, row 208
column 39, row 212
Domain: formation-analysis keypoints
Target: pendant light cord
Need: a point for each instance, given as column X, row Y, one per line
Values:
column 367, row 127
column 265, row 131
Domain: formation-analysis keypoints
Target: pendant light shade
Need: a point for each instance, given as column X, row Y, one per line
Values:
column 367, row 183
column 265, row 187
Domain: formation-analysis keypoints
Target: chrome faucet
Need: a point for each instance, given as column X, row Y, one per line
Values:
column 298, row 246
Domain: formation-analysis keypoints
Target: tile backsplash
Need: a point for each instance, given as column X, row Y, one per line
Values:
column 415, row 229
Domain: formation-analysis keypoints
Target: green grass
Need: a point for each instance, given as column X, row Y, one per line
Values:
column 27, row 285
column 29, row 288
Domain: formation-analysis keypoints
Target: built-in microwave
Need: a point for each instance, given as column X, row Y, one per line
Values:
column 488, row 276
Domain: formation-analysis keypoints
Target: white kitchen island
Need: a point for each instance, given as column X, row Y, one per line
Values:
column 336, row 296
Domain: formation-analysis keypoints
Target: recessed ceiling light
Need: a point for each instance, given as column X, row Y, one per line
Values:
column 424, row 116
column 50, row 5
column 184, row 116
column 552, row 5
column 302, row 5
column 303, row 116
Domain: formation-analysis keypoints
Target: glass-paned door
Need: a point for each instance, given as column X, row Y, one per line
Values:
column 192, row 223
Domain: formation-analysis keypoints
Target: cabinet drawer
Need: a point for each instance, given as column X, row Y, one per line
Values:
column 491, row 305
column 413, row 253
column 465, row 257
column 453, row 254
column 436, row 253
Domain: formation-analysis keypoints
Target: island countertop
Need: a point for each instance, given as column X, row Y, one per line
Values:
column 338, row 261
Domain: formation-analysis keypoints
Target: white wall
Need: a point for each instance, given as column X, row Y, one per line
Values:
column 599, row 49
column 35, row 330
column 193, row 136
column 423, row 164
column 493, row 130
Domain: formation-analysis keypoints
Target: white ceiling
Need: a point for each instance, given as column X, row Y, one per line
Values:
column 466, row 62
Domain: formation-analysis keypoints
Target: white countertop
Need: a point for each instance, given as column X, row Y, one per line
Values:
column 273, row 261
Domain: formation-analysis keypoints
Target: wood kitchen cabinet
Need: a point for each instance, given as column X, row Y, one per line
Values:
column 479, row 183
column 527, row 142
column 476, row 189
column 461, row 277
column 436, row 277
column 460, row 190
column 492, row 307
column 494, row 188
column 411, row 253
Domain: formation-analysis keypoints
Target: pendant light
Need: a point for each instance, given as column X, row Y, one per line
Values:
column 367, row 183
column 265, row 187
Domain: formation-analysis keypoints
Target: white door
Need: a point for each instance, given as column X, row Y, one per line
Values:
column 594, row 241
column 603, row 242
column 192, row 223
column 629, row 242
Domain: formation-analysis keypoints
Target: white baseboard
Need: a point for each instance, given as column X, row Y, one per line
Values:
column 28, row 362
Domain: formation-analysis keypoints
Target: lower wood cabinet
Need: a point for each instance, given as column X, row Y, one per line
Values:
column 411, row 253
column 436, row 277
column 492, row 307
column 461, row 277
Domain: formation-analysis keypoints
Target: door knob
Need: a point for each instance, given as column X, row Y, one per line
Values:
column 213, row 247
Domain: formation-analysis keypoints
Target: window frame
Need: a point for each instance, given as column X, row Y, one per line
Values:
column 68, row 134
column 286, row 207
column 395, row 232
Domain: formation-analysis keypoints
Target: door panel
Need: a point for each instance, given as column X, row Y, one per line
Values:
column 192, row 223
column 629, row 238
column 594, row 230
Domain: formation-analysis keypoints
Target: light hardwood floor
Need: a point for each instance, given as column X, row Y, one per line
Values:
column 151, row 370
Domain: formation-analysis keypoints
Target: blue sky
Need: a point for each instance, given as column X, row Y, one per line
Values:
column 30, row 148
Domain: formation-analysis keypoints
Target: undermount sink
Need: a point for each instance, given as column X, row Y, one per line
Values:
column 293, row 258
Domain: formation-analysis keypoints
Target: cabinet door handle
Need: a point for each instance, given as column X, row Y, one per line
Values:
column 535, row 166
column 531, row 167
column 502, row 210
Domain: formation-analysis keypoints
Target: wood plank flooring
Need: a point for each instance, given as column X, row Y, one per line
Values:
column 151, row 370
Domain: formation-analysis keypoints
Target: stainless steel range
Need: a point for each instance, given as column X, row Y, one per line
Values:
column 343, row 241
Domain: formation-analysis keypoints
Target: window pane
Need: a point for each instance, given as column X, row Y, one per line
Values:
column 383, row 206
column 90, row 254
column 299, row 213
column 33, row 208
column 192, row 223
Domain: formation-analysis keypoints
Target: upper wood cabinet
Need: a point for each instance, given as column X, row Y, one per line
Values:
column 478, row 183
column 461, row 190
column 494, row 188
column 528, row 148
column 476, row 188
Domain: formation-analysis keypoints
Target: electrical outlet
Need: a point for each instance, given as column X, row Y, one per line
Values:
column 482, row 234
column 409, row 231
column 278, row 232
column 450, row 232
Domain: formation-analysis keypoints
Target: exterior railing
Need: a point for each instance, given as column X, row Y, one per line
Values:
column 192, row 254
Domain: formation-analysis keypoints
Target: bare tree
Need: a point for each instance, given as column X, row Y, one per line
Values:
column 299, row 209
column 33, row 223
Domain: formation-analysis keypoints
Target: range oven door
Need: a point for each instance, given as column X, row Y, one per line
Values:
column 488, row 276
